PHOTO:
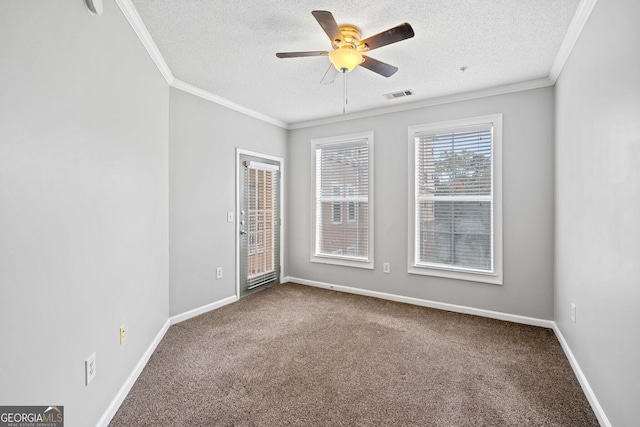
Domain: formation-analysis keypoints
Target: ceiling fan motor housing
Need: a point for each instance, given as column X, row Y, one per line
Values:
column 346, row 53
column 350, row 37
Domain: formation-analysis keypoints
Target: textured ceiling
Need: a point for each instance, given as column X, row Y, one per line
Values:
column 228, row 49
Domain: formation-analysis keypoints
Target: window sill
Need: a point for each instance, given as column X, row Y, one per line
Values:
column 343, row 262
column 494, row 279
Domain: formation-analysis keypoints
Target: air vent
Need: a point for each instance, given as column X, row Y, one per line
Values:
column 400, row 94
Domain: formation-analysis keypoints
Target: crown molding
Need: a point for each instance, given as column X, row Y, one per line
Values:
column 186, row 87
column 141, row 31
column 430, row 102
column 575, row 28
column 130, row 12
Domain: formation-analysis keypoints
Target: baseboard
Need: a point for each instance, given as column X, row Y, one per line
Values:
column 126, row 387
column 427, row 303
column 201, row 310
column 586, row 388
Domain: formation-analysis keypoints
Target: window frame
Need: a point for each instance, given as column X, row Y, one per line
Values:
column 343, row 260
column 452, row 272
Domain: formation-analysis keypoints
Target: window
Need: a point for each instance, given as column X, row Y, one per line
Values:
column 456, row 205
column 342, row 226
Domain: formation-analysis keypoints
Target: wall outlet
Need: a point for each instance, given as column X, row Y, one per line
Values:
column 123, row 334
column 386, row 267
column 573, row 312
column 89, row 369
column 219, row 273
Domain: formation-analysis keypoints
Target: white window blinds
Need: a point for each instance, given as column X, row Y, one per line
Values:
column 454, row 199
column 342, row 200
column 261, row 193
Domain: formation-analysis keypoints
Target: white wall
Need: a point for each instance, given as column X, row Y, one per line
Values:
column 83, row 204
column 202, row 158
column 101, row 165
column 527, row 206
column 598, row 206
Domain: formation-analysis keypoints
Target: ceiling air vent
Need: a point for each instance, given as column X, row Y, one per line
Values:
column 402, row 93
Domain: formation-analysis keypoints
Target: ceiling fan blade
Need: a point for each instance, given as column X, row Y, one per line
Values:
column 379, row 67
column 392, row 35
column 328, row 24
column 302, row 54
column 329, row 76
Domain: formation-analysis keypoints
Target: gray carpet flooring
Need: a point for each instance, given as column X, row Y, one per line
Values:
column 294, row 355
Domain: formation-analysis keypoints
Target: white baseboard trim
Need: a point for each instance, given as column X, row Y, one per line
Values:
column 427, row 303
column 586, row 387
column 201, row 310
column 582, row 379
column 126, row 387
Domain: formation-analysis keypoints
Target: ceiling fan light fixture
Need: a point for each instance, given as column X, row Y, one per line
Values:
column 349, row 50
column 345, row 59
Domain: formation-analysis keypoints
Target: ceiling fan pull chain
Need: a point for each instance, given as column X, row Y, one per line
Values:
column 344, row 104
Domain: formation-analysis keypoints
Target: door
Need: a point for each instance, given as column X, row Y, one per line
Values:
column 259, row 223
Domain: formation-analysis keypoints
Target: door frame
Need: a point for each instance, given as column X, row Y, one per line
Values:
column 239, row 170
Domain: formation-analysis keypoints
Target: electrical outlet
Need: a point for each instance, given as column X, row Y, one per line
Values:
column 219, row 273
column 90, row 369
column 123, row 334
column 386, row 267
column 573, row 312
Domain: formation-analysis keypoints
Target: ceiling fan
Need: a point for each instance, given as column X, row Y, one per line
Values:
column 349, row 50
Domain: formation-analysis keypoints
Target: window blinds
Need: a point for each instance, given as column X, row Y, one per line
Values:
column 342, row 201
column 454, row 199
column 262, row 223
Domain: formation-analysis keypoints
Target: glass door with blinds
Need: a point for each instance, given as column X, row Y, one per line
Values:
column 259, row 223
